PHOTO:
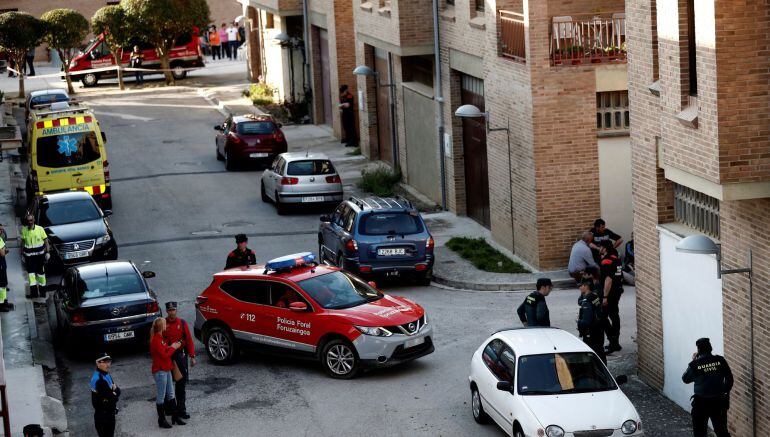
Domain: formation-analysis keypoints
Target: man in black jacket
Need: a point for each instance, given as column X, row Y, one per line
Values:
column 104, row 397
column 713, row 381
column 241, row 256
column 534, row 310
column 590, row 320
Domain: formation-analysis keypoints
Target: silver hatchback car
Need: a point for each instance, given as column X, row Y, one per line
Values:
column 300, row 178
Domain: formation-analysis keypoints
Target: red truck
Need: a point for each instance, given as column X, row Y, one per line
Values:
column 185, row 54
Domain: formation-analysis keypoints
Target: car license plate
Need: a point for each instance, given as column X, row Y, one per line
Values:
column 119, row 336
column 258, row 155
column 313, row 199
column 391, row 252
column 414, row 342
column 76, row 254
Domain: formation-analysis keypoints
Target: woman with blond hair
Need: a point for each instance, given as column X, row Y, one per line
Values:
column 162, row 366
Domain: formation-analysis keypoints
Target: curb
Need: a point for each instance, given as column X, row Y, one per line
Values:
column 501, row 286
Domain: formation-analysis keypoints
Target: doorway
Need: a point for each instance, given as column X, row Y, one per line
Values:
column 384, row 140
column 475, row 152
column 326, row 91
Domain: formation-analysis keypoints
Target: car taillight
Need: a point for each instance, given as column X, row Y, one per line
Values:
column 152, row 307
column 200, row 300
column 289, row 181
column 351, row 246
column 236, row 139
column 429, row 243
column 278, row 137
column 333, row 179
column 365, row 269
column 78, row 318
column 106, row 165
column 421, row 267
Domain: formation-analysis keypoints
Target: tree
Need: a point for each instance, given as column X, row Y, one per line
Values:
column 162, row 22
column 65, row 29
column 118, row 31
column 19, row 33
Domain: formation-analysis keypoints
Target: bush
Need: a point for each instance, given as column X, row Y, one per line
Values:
column 379, row 181
column 260, row 94
column 484, row 256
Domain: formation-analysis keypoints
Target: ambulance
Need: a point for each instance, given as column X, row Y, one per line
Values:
column 66, row 151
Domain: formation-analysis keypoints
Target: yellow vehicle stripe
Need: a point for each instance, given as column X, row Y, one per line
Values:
column 80, row 120
column 64, row 122
column 48, row 123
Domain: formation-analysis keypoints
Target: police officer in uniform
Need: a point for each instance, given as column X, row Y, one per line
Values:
column 104, row 397
column 713, row 382
column 177, row 330
column 241, row 256
column 590, row 322
column 612, row 283
column 4, row 305
column 35, row 242
column 534, row 310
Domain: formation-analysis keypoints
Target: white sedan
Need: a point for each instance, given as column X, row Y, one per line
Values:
column 546, row 382
column 301, row 179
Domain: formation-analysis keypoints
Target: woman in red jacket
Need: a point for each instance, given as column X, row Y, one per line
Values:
column 161, row 370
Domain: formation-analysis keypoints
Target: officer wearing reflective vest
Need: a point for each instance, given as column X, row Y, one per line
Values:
column 35, row 251
column 713, row 381
column 590, row 321
column 534, row 310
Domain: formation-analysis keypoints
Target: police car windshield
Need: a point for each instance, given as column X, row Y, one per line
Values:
column 338, row 290
column 68, row 149
column 73, row 211
column 552, row 374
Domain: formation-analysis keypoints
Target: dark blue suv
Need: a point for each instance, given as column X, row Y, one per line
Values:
column 377, row 236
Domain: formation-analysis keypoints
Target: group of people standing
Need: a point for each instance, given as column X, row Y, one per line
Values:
column 224, row 41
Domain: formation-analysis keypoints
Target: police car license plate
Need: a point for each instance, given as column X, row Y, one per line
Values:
column 391, row 252
column 119, row 336
column 258, row 155
column 313, row 199
column 75, row 254
column 414, row 342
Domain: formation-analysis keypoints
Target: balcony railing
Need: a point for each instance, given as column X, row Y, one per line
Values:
column 590, row 39
column 512, row 36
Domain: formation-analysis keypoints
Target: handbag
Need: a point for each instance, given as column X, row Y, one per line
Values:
column 176, row 374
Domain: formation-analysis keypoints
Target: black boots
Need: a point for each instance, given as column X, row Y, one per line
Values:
column 614, row 345
column 162, row 417
column 181, row 399
column 175, row 416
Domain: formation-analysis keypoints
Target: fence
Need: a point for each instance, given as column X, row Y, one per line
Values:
column 591, row 39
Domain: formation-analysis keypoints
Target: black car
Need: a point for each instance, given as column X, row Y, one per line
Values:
column 104, row 303
column 76, row 228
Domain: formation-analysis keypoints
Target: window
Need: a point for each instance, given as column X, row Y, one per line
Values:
column 257, row 292
column 256, row 128
column 67, row 150
column 450, row 2
column 339, row 290
column 573, row 372
column 500, row 360
column 388, row 223
column 73, row 211
column 350, row 218
column 282, row 295
column 269, row 21
column 338, row 214
column 417, row 69
column 612, row 113
column 310, row 168
column 479, row 5
column 691, row 49
column 696, row 210
column 114, row 284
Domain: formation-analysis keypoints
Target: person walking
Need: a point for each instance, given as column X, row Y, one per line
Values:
column 30, row 59
column 347, row 108
column 590, row 321
column 177, row 330
column 135, row 61
column 711, row 395
column 534, row 310
column 36, row 248
column 104, row 396
column 612, row 285
column 581, row 257
column 232, row 40
column 224, row 41
column 215, row 43
column 4, row 305
column 162, row 366
column 241, row 256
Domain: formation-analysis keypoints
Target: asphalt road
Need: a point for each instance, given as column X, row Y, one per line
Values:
column 175, row 211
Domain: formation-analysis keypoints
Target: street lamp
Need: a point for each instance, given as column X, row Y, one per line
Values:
column 363, row 70
column 472, row 111
column 703, row 245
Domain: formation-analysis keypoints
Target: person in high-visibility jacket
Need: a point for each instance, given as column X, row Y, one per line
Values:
column 36, row 246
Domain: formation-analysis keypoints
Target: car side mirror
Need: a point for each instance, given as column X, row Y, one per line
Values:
column 372, row 284
column 148, row 274
column 218, row 127
column 325, row 219
column 107, row 212
column 104, row 137
column 280, row 125
column 504, row 386
column 621, row 379
column 298, row 307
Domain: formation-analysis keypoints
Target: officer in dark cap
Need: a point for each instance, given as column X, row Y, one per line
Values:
column 713, row 382
column 177, row 330
column 590, row 320
column 241, row 256
column 534, row 310
column 104, row 396
column 32, row 430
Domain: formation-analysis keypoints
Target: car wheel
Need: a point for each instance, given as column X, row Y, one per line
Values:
column 219, row 155
column 178, row 72
column 339, row 359
column 220, row 345
column 517, row 432
column 229, row 164
column 476, row 408
column 341, row 262
column 280, row 207
column 90, row 79
column 265, row 198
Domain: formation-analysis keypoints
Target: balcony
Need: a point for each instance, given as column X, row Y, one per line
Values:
column 589, row 39
column 512, row 37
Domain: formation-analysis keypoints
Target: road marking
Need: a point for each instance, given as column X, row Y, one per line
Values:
column 217, row 237
column 149, row 176
column 126, row 116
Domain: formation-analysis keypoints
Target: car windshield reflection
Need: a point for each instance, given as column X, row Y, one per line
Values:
column 562, row 373
column 338, row 290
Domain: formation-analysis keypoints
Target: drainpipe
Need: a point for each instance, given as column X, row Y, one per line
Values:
column 439, row 103
column 393, row 118
column 308, row 72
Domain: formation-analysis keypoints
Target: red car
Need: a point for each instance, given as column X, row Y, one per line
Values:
column 249, row 138
column 293, row 305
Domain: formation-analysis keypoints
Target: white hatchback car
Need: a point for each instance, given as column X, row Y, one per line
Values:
column 301, row 178
column 546, row 382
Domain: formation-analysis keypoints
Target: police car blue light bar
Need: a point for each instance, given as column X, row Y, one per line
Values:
column 290, row 261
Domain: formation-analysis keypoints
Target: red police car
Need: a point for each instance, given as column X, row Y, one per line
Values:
column 312, row 311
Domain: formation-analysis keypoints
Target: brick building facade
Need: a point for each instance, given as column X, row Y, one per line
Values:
column 539, row 68
column 699, row 93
